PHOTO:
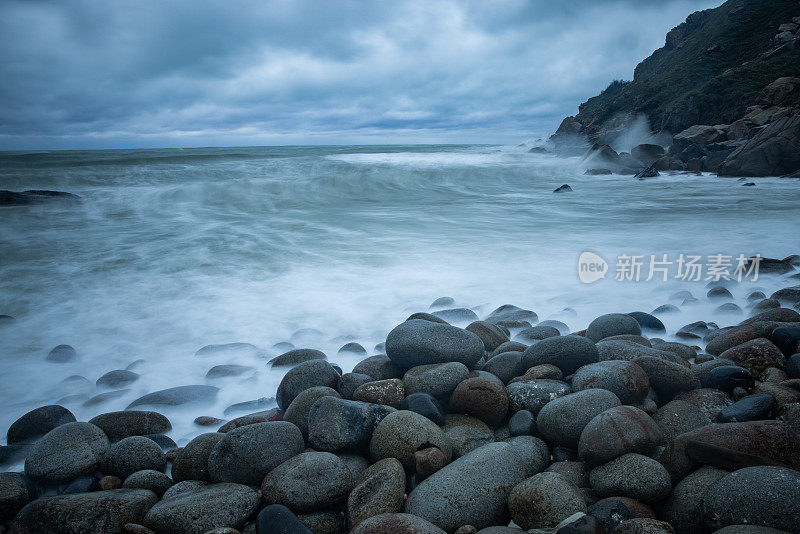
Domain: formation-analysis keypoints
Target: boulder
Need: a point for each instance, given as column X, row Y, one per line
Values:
column 677, row 417
column 133, row 454
column 14, row 494
column 264, row 416
column 700, row 135
column 297, row 356
column 118, row 425
column 624, row 379
column 98, row 512
column 303, row 376
column 750, row 408
column 297, row 412
column 245, row 455
column 388, row 392
column 613, row 324
column 730, row 338
column 204, row 508
column 474, row 488
column 66, row 452
column 756, row 356
column 773, row 151
column 617, row 431
column 378, row 367
column 380, row 490
column 457, row 315
column 117, row 378
column 562, row 420
column 544, row 500
column 417, row 342
column 401, row 523
column 36, row 423
column 667, row 378
column 490, row 334
column 509, row 312
column 727, row 378
column 505, row 366
column 191, row 463
column 632, row 475
column 534, row 394
column 308, row 482
column 425, row 405
column 648, row 322
column 481, row 398
column 568, row 353
column 62, row 354
column 343, row 425
column 684, row 508
column 466, row 433
column 148, row 479
column 400, row 434
column 647, row 154
column 438, row 380
column 177, row 396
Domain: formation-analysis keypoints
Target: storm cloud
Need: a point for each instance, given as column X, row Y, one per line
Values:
column 98, row 74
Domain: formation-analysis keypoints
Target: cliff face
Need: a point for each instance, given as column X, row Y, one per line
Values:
column 710, row 71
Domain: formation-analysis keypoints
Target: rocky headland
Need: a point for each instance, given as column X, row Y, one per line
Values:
column 722, row 95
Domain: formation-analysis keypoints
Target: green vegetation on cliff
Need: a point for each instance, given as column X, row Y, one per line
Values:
column 710, row 70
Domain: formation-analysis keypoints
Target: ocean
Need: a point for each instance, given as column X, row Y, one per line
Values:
column 171, row 250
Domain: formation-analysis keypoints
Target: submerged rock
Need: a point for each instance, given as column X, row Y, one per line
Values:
column 176, row 396
column 35, row 196
column 38, row 422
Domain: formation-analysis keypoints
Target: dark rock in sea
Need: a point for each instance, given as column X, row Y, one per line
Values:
column 14, row 494
column 62, row 354
column 648, row 323
column 562, row 420
column 419, row 342
column 538, row 150
column 442, row 303
column 597, row 172
column 632, row 475
column 533, row 395
column 617, row 431
column 380, row 490
column 297, row 412
column 227, row 349
column 66, row 452
column 719, row 293
column 352, row 348
column 6, row 320
column 562, row 328
column 490, row 334
column 204, row 508
column 343, row 425
column 787, row 295
column 505, row 366
column 38, row 422
column 378, row 367
column 457, row 315
column 117, row 378
column 756, row 356
column 647, row 154
column 225, row 371
column 536, row 333
column 99, row 512
column 133, row 454
column 667, row 378
column 544, row 500
column 613, row 324
column 762, row 496
column 728, row 308
column 296, row 356
column 261, row 403
column 665, row 308
column 751, row 408
column 425, row 317
column 522, row 423
column 35, row 196
column 474, row 488
column 625, row 379
column 102, row 398
column 400, row 434
column 176, row 396
column 149, row 479
column 276, row 518
column 765, row 304
column 308, row 482
column 303, row 376
column 568, row 353
column 264, row 416
column 787, row 339
column 192, row 461
column 425, row 405
column 118, row 425
column 649, row 172
column 246, row 454
column 563, row 189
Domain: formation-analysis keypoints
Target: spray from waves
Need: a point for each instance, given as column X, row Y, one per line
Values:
column 337, row 243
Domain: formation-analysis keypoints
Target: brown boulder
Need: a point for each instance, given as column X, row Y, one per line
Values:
column 481, row 398
column 756, row 356
column 388, row 392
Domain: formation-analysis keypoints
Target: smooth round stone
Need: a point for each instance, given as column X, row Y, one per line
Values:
column 750, row 408
column 617, row 431
column 227, row 349
column 457, row 315
column 380, row 490
column 544, row 500
column 110, row 482
column 684, row 508
column 534, row 394
column 668, row 308
column 491, row 335
column 756, row 356
column 192, row 461
column 508, row 346
column 559, row 325
column 133, row 454
column 308, row 482
column 787, row 339
column 352, row 348
column 562, row 420
column 522, row 423
column 677, row 417
column 442, row 303
column 388, row 392
column 349, row 382
column 38, row 422
column 568, row 353
column 279, row 519
column 667, row 378
column 731, row 338
column 425, row 405
column 484, row 399
column 14, row 494
column 729, row 377
column 297, row 356
column 793, row 366
column 297, row 412
column 648, row 323
column 684, row 351
column 401, row 523
column 544, row 371
column 466, row 433
column 761, row 496
column 425, row 317
column 719, row 293
column 632, row 475
column 611, row 349
column 610, row 512
column 400, row 434
column 62, row 354
column 117, row 378
column 532, row 334
column 246, row 454
column 473, row 489
column 378, row 367
column 177, row 396
column 438, row 380
column 118, row 425
column 149, row 479
column 263, row 416
column 509, row 312
column 203, row 509
column 625, row 379
column 613, row 324
column 66, row 452
column 90, row 512
column 303, row 376
column 227, row 371
column 343, row 425
column 505, row 366
column 417, row 342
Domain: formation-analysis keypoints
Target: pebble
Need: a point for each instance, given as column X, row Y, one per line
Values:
column 562, row 420
column 625, row 379
column 400, row 434
column 568, row 353
column 133, row 454
column 379, row 490
column 36, row 423
column 303, row 376
column 481, row 398
column 66, row 452
column 296, row 483
column 425, row 405
column 544, row 500
column 632, row 475
column 617, row 431
column 118, row 425
column 417, row 342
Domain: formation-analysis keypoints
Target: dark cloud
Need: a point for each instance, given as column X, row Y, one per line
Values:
column 186, row 73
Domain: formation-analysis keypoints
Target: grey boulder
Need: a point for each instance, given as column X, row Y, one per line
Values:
column 67, row 452
column 418, row 342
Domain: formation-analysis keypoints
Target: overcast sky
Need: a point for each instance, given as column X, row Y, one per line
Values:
column 105, row 74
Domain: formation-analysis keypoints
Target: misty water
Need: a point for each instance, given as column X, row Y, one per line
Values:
column 171, row 250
